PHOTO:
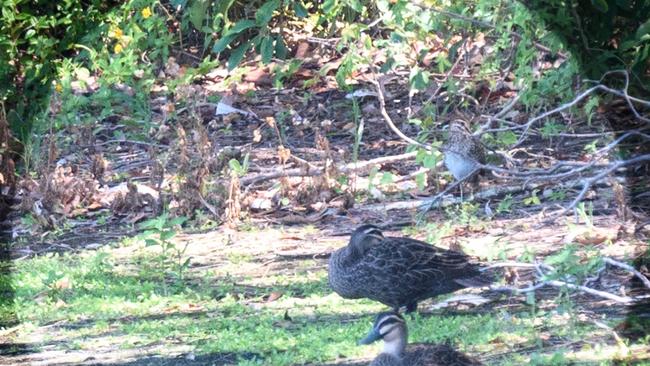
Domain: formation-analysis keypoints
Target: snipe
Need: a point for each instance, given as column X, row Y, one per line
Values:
column 463, row 151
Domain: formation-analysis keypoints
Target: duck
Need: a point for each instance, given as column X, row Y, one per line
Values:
column 391, row 328
column 399, row 271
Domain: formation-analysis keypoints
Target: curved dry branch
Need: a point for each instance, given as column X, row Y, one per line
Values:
column 389, row 121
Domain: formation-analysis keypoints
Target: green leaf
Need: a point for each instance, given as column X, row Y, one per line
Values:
column 221, row 44
column 237, row 55
column 198, row 11
column 533, row 199
column 601, row 5
column 281, row 50
column 177, row 221
column 241, row 26
column 430, row 161
column 265, row 12
column 329, row 7
column 266, row 50
column 235, row 165
column 420, row 180
column 419, row 78
column 561, row 257
column 150, row 242
column 506, row 138
column 167, row 234
column 387, row 178
column 299, row 9
column 643, row 30
column 530, row 298
column 355, row 5
column 223, row 6
column 246, row 163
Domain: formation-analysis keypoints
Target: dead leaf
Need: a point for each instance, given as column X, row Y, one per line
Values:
column 302, row 50
column 274, row 296
column 62, row 284
column 60, row 304
column 283, row 154
column 257, row 135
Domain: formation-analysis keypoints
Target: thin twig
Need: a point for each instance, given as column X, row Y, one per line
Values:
column 590, row 181
column 607, row 295
column 389, row 121
column 316, row 170
column 628, row 268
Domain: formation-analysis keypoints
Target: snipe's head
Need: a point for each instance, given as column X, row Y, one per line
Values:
column 459, row 126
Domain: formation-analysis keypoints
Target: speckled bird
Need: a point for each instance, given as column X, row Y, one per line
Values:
column 398, row 271
column 463, row 151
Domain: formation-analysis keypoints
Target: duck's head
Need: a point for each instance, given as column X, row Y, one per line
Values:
column 391, row 327
column 364, row 237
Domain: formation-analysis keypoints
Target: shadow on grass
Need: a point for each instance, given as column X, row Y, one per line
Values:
column 15, row 349
column 219, row 358
column 8, row 316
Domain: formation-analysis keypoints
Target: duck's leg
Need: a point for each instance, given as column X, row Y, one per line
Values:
column 411, row 307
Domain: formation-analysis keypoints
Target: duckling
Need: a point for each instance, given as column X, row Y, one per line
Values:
column 391, row 327
column 398, row 271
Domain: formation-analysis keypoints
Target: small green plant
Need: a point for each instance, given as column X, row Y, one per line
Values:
column 240, row 169
column 436, row 232
column 533, row 199
column 158, row 232
column 387, row 178
column 465, row 213
column 281, row 73
column 265, row 42
column 557, row 194
column 586, row 213
column 556, row 359
column 550, row 129
column 571, row 267
column 371, row 177
column 506, row 138
column 505, row 205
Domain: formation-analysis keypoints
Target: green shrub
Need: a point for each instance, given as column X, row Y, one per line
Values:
column 34, row 38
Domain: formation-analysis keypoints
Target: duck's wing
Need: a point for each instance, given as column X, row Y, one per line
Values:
column 438, row 355
column 410, row 262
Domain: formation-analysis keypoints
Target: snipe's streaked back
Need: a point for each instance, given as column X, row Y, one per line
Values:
column 463, row 151
column 398, row 271
column 391, row 327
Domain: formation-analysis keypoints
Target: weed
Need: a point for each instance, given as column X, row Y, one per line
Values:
column 505, row 205
column 159, row 231
column 532, row 199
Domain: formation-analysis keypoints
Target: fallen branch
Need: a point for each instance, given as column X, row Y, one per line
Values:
column 389, row 121
column 315, row 170
column 588, row 183
column 628, row 268
column 543, row 270
column 607, row 295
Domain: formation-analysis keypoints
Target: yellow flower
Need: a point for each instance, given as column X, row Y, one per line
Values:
column 58, row 87
column 117, row 33
column 118, row 48
column 146, row 12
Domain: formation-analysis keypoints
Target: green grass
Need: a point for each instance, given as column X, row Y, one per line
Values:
column 98, row 297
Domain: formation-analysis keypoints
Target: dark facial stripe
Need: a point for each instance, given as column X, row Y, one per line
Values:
column 384, row 320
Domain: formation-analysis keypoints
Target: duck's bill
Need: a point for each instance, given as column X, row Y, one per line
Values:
column 370, row 338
